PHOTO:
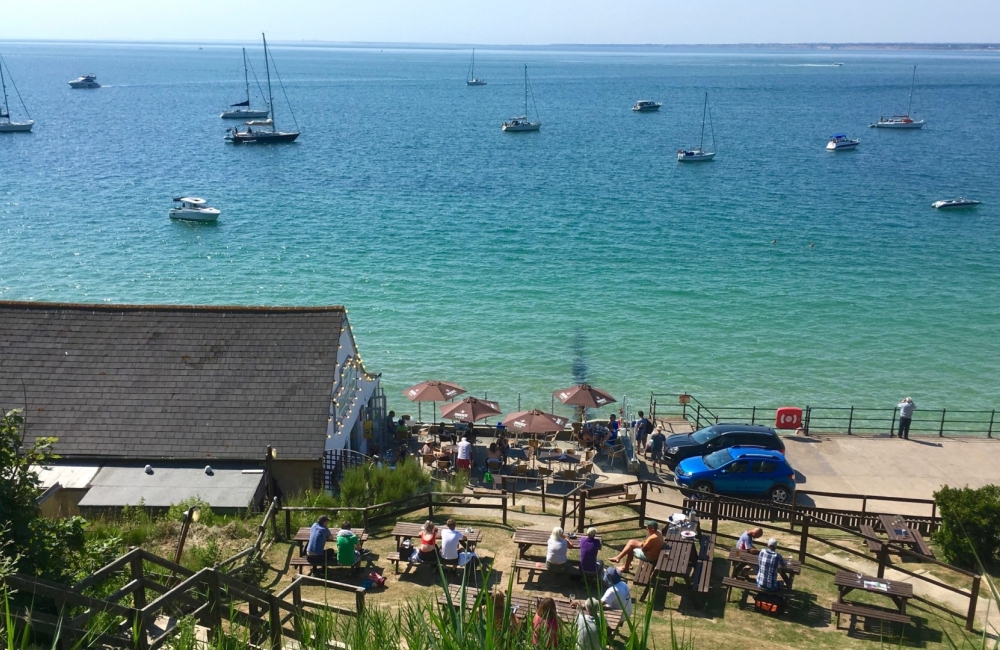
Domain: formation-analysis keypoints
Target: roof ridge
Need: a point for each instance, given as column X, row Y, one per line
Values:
column 30, row 304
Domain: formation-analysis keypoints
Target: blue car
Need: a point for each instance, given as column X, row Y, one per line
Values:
column 739, row 471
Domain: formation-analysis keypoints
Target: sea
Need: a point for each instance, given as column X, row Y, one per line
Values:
column 516, row 264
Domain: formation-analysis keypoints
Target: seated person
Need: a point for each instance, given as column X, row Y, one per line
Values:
column 769, row 563
column 613, row 427
column 494, row 459
column 450, row 539
column 347, row 542
column 587, row 437
column 442, row 435
column 590, row 547
column 426, row 449
column 745, row 542
column 428, row 550
column 555, row 555
column 617, row 595
column 588, row 637
column 647, row 550
column 503, row 445
column 316, row 551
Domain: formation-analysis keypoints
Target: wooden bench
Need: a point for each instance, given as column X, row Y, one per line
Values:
column 619, row 491
column 873, row 544
column 571, row 568
column 750, row 587
column 921, row 544
column 299, row 562
column 396, row 558
column 854, row 611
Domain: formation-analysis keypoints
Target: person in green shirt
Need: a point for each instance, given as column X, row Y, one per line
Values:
column 347, row 542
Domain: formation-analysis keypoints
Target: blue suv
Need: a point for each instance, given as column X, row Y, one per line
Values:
column 739, row 471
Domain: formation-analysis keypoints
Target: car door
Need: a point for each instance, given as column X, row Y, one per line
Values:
column 761, row 476
column 732, row 478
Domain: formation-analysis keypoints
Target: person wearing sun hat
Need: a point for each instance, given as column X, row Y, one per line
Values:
column 617, row 595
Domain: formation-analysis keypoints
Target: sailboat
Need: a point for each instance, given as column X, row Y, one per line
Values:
column 262, row 136
column 472, row 81
column 242, row 110
column 6, row 124
column 523, row 123
column 698, row 154
column 903, row 121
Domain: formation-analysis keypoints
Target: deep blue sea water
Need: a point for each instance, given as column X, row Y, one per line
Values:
column 491, row 259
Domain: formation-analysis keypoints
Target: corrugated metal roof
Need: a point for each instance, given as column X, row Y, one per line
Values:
column 227, row 487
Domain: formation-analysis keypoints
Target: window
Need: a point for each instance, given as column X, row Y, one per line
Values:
column 739, row 467
column 764, row 466
column 718, row 459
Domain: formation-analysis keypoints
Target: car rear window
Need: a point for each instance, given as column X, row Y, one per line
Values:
column 764, row 466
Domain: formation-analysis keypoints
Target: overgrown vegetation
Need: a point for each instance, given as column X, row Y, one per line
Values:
column 970, row 525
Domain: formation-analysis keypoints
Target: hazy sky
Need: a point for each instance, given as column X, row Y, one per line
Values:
column 508, row 21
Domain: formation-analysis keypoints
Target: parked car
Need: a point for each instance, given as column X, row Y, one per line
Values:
column 719, row 436
column 739, row 471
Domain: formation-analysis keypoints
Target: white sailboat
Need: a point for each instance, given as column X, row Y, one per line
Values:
column 903, row 121
column 242, row 110
column 522, row 123
column 261, row 135
column 698, row 154
column 8, row 125
column 472, row 80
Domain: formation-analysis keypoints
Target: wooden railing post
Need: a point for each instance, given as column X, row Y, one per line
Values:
column 297, row 604
column 139, row 596
column 503, row 498
column 970, row 620
column 581, row 512
column 883, row 558
column 430, row 505
column 543, row 495
column 642, row 504
column 288, row 525
column 214, row 613
column 274, row 623
column 359, row 601
column 715, row 514
column 803, row 540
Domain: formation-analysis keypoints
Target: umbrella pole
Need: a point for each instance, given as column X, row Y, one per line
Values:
column 434, row 413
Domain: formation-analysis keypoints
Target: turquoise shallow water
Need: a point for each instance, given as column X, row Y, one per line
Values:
column 467, row 254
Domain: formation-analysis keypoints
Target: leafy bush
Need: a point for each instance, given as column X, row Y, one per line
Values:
column 970, row 525
column 369, row 485
column 207, row 555
column 205, row 517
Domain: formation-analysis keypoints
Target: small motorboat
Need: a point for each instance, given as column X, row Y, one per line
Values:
column 955, row 203
column 85, row 81
column 840, row 142
column 192, row 208
column 694, row 155
column 646, row 106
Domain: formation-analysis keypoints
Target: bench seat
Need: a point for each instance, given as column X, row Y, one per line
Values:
column 750, row 587
column 299, row 562
column 854, row 611
column 873, row 545
column 571, row 568
column 396, row 558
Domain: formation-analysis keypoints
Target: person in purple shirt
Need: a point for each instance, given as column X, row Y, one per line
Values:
column 590, row 546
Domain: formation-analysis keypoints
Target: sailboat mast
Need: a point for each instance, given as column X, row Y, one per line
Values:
column 246, row 79
column 704, row 111
column 270, row 98
column 472, row 71
column 909, row 104
column 526, row 91
column 6, row 108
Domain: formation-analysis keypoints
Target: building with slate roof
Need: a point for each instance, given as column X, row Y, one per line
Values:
column 127, row 386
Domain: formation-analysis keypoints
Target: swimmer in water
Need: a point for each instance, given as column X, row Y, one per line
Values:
column 774, row 241
column 812, row 245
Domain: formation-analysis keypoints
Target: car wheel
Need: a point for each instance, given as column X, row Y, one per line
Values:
column 780, row 494
column 704, row 486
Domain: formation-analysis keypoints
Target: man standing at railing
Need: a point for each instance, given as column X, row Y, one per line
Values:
column 906, row 408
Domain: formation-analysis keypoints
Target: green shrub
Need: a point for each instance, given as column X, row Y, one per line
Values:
column 970, row 525
column 370, row 484
column 178, row 510
column 207, row 555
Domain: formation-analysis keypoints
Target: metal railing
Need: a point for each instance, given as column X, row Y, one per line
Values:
column 830, row 419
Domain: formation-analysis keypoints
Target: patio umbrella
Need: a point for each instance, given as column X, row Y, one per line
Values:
column 585, row 396
column 470, row 409
column 535, row 421
column 432, row 391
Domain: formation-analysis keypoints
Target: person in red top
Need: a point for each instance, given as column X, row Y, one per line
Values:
column 428, row 550
column 546, row 625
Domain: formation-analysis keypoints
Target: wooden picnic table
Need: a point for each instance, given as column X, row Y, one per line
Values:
column 563, row 458
column 405, row 530
column 302, row 538
column 525, row 538
column 899, row 592
column 526, row 606
column 899, row 532
column 742, row 560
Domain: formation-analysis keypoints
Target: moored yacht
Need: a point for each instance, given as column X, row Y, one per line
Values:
column 522, row 123
column 903, row 121
column 472, row 80
column 262, row 136
column 955, row 203
column 840, row 142
column 242, row 110
column 85, row 81
column 7, row 125
column 646, row 106
column 192, row 208
column 698, row 154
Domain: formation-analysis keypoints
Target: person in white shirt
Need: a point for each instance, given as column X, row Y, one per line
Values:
column 906, row 408
column 464, row 454
column 617, row 595
column 450, row 539
column 555, row 556
column 588, row 637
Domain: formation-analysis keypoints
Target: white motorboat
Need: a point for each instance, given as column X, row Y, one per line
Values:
column 840, row 142
column 85, row 81
column 192, row 208
column 698, row 154
column 646, row 106
column 472, row 80
column 522, row 123
column 242, row 110
column 262, row 136
column 8, row 125
column 955, row 203
column 903, row 121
